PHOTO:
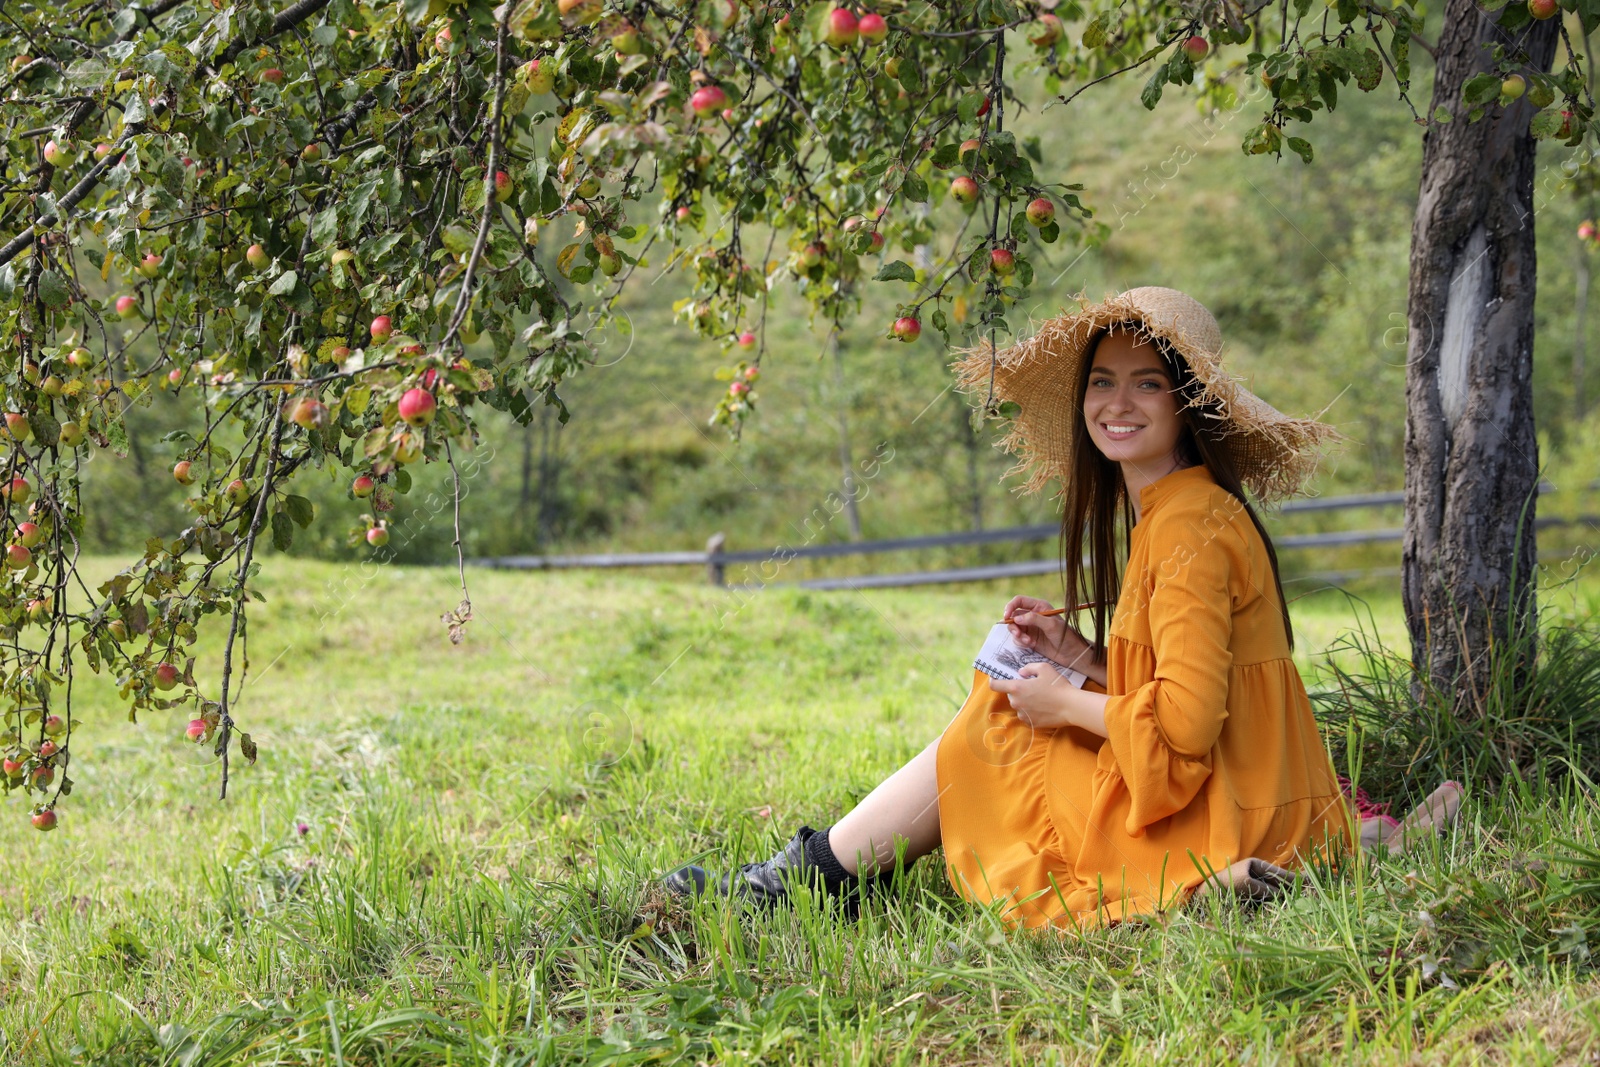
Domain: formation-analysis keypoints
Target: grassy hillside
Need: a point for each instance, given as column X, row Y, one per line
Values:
column 447, row 854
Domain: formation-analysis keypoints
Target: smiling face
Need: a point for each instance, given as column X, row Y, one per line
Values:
column 1129, row 407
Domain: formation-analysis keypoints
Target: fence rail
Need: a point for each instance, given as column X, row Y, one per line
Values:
column 716, row 559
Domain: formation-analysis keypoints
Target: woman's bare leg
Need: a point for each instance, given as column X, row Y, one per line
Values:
column 904, row 807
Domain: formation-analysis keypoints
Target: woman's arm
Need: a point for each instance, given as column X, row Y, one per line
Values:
column 1043, row 699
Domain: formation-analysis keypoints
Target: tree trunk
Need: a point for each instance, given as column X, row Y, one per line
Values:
column 1471, row 454
column 1580, row 325
column 847, row 479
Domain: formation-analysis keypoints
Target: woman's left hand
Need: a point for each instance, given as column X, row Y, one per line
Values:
column 1042, row 698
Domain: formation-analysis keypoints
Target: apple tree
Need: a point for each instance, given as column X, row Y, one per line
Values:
column 340, row 230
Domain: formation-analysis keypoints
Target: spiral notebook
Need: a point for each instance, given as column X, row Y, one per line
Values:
column 1001, row 657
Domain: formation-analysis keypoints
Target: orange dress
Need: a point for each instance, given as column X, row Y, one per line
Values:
column 1212, row 755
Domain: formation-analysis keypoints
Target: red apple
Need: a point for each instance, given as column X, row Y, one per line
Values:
column 54, row 725
column 58, row 153
column 175, row 376
column 29, row 533
column 1041, row 210
column 44, row 820
column 738, row 388
column 964, row 190
column 417, row 407
column 502, row 187
column 48, row 749
column 43, row 776
column 18, row 491
column 101, row 150
column 150, row 265
column 708, row 100
column 197, row 729
column 1049, row 31
column 127, row 307
column 1197, row 47
column 311, row 153
column 1002, row 261
column 362, row 486
column 812, row 254
column 968, row 147
column 907, row 328
column 842, row 28
column 72, row 434
column 272, row 76
column 17, row 426
column 540, row 79
column 747, row 340
column 166, row 676
column 877, row 241
column 1543, row 9
column 38, row 611
column 983, row 108
column 441, row 40
column 381, row 329
column 873, row 28
column 81, row 359
column 1586, row 230
column 237, row 491
column 752, row 373
column 182, row 471
column 12, row 767
column 309, row 414
column 377, row 536
column 51, row 386
column 683, row 213
column 257, row 257
column 18, row 557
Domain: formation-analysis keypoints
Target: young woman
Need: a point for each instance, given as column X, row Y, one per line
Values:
column 1189, row 761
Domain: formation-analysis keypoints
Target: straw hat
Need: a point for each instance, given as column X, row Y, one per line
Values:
column 1276, row 454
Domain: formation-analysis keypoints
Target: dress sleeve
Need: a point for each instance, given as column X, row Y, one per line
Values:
column 1162, row 732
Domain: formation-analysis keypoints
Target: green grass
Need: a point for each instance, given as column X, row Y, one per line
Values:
column 484, row 824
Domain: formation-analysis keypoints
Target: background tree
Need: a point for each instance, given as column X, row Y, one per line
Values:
column 296, row 220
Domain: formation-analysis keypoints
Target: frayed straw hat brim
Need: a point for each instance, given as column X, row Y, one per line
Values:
column 1276, row 455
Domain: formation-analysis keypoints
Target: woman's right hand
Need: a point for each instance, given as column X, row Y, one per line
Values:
column 1048, row 635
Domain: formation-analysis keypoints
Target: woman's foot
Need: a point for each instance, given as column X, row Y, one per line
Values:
column 807, row 859
column 1430, row 819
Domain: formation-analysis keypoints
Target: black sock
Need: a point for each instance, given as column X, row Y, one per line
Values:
column 819, row 853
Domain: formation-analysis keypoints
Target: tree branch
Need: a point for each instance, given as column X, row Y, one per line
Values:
column 288, row 18
column 74, row 196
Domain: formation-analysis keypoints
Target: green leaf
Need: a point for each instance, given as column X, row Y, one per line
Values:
column 967, row 107
column 1442, row 114
column 1150, row 96
column 895, row 271
column 914, row 188
column 282, row 531
column 1480, row 89
column 53, row 289
column 301, row 510
column 284, row 284
column 1300, row 147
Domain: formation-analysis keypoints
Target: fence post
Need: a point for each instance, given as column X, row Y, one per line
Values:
column 714, row 570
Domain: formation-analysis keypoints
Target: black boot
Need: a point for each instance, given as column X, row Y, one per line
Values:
column 807, row 860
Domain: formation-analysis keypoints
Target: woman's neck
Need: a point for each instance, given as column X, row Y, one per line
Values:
column 1135, row 476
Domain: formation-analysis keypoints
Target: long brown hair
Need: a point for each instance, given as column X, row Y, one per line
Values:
column 1098, row 507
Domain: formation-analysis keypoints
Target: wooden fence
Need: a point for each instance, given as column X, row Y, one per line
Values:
column 716, row 557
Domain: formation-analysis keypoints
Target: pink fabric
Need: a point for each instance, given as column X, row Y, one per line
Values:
column 1366, row 808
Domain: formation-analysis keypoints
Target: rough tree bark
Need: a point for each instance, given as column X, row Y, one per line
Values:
column 1471, row 454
